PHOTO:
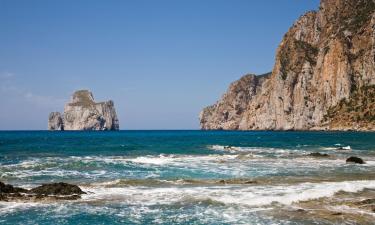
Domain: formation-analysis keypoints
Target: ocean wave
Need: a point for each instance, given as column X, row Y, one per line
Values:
column 338, row 148
column 235, row 149
column 187, row 213
column 240, row 164
column 229, row 203
column 173, row 182
column 254, row 196
column 10, row 207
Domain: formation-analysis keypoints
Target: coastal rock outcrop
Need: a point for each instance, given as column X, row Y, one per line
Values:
column 228, row 111
column 55, row 121
column 318, row 154
column 83, row 113
column 45, row 192
column 57, row 189
column 323, row 77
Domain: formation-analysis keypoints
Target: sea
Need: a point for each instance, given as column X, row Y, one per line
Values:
column 192, row 177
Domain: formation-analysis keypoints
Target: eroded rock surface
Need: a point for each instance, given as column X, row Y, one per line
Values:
column 45, row 192
column 55, row 121
column 57, row 189
column 83, row 113
column 323, row 77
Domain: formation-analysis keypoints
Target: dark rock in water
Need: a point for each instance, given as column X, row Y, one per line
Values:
column 251, row 182
column 354, row 159
column 7, row 188
column 3, row 197
column 57, row 189
column 318, row 154
column 45, row 192
column 367, row 202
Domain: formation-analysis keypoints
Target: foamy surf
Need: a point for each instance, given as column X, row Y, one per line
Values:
column 338, row 148
column 259, row 151
column 166, row 166
column 254, row 196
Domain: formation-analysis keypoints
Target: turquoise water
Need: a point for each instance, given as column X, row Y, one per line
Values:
column 181, row 177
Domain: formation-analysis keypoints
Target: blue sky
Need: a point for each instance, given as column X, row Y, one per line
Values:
column 160, row 61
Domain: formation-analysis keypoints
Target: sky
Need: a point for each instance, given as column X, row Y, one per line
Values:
column 160, row 61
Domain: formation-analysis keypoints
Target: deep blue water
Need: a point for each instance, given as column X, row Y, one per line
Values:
column 180, row 177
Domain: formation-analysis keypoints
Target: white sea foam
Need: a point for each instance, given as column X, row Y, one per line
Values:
column 230, row 204
column 338, row 148
column 10, row 207
column 257, row 151
column 254, row 196
column 240, row 164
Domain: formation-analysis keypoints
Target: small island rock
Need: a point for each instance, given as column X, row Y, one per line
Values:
column 83, row 113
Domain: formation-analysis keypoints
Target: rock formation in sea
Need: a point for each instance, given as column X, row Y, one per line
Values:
column 45, row 192
column 83, row 113
column 323, row 77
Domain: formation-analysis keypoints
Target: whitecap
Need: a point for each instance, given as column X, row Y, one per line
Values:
column 255, row 196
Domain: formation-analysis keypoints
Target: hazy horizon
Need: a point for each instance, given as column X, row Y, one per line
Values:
column 160, row 62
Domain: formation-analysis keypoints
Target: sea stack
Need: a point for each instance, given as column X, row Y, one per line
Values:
column 83, row 113
column 323, row 77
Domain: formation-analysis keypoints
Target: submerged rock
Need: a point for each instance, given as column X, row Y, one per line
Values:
column 367, row 202
column 318, row 154
column 83, row 113
column 354, row 159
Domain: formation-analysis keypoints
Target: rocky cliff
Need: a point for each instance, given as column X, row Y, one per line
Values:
column 323, row 77
column 83, row 113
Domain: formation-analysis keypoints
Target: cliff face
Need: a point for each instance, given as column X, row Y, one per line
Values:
column 228, row 111
column 55, row 121
column 323, row 77
column 83, row 113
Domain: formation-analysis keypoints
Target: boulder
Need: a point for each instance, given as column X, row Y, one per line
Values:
column 45, row 192
column 57, row 189
column 318, row 154
column 7, row 189
column 354, row 159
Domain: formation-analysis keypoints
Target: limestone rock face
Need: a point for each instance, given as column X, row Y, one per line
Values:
column 323, row 77
column 55, row 121
column 227, row 112
column 83, row 113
